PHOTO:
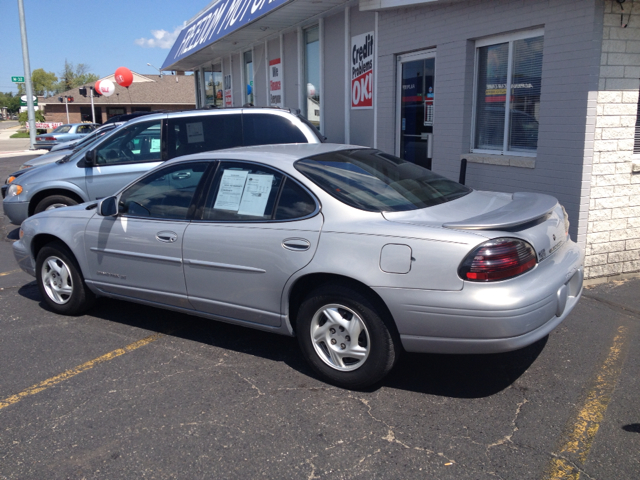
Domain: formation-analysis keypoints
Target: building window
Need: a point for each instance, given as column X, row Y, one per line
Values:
column 213, row 85
column 312, row 74
column 508, row 124
column 248, row 78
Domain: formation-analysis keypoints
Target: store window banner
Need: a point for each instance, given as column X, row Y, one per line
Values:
column 218, row 21
column 275, row 83
column 228, row 92
column 362, row 60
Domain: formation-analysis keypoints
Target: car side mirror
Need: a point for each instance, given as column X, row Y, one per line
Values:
column 89, row 158
column 108, row 207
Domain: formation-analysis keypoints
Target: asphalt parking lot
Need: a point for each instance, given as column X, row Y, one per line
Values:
column 129, row 391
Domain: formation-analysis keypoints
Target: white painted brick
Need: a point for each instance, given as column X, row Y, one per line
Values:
column 609, row 97
column 597, row 215
column 597, row 248
column 612, row 71
column 613, row 156
column 592, row 260
column 597, row 133
column 630, row 96
column 621, row 190
column 612, row 202
column 623, row 168
column 601, row 192
column 617, row 46
column 627, row 256
column 620, row 108
column 600, row 237
column 625, row 212
column 606, row 146
column 607, row 225
column 605, row 169
column 600, row 107
column 617, row 133
column 604, row 180
column 625, row 234
column 621, row 84
column 604, row 121
column 627, row 121
column 604, row 270
column 633, row 222
column 626, row 145
column 634, row 200
column 629, row 267
column 632, row 244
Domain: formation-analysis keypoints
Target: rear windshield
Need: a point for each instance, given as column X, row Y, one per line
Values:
column 377, row 182
column 62, row 129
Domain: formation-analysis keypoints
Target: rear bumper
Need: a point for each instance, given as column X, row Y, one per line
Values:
column 44, row 145
column 16, row 211
column 489, row 317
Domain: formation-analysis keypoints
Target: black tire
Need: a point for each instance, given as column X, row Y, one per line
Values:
column 54, row 201
column 60, row 281
column 333, row 364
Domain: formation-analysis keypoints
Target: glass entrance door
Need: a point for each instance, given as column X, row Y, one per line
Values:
column 416, row 81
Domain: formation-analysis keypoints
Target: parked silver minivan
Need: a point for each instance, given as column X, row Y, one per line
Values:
column 100, row 169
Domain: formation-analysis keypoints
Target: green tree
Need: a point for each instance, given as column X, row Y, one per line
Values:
column 11, row 101
column 43, row 82
column 23, row 118
column 74, row 76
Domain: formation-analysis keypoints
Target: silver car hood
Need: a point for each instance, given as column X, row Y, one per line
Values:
column 481, row 211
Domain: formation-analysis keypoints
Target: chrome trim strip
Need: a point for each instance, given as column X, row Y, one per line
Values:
column 224, row 266
column 162, row 258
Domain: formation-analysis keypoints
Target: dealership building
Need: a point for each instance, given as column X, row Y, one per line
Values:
column 535, row 95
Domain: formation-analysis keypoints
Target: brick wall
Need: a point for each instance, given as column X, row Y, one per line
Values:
column 613, row 234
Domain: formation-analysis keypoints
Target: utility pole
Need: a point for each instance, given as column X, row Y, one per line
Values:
column 27, row 76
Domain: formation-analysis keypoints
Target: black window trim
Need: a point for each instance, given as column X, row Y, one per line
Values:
column 220, row 161
column 196, row 201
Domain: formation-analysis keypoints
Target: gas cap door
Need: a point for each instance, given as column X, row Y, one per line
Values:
column 395, row 258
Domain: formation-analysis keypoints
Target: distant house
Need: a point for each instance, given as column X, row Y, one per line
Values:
column 146, row 93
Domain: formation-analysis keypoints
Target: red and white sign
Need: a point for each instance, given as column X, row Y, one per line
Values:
column 45, row 125
column 228, row 93
column 362, row 59
column 275, row 83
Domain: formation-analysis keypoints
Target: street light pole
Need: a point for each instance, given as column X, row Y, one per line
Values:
column 159, row 71
column 66, row 105
column 27, row 76
column 93, row 111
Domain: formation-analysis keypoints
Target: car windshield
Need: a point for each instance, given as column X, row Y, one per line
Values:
column 377, row 182
column 62, row 129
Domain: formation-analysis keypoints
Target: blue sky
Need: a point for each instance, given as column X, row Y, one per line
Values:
column 104, row 34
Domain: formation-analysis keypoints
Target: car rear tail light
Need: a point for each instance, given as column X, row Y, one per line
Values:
column 498, row 259
column 47, row 139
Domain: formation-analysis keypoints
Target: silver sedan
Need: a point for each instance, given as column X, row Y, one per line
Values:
column 358, row 253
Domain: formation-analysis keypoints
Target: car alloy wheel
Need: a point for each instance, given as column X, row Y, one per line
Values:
column 340, row 337
column 56, row 280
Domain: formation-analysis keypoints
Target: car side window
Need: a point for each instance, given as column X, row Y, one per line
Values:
column 242, row 192
column 203, row 133
column 261, row 129
column 136, row 143
column 294, row 202
column 166, row 193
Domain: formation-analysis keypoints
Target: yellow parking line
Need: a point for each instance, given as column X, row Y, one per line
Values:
column 79, row 369
column 9, row 273
column 577, row 442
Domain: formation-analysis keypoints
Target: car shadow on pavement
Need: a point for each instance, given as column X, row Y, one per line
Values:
column 459, row 376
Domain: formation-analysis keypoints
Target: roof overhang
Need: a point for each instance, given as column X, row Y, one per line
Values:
column 229, row 26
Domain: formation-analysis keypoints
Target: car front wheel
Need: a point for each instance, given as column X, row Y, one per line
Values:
column 345, row 337
column 60, row 281
column 54, row 201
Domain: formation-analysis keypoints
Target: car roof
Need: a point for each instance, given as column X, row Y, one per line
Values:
column 269, row 154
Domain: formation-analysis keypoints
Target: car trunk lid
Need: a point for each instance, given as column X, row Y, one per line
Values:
column 534, row 217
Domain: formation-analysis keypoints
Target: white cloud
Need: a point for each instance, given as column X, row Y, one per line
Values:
column 161, row 39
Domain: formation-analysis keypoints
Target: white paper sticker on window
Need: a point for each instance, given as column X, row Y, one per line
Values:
column 155, row 145
column 230, row 191
column 255, row 196
column 195, row 133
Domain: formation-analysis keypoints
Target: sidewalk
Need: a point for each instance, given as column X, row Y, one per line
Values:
column 12, row 147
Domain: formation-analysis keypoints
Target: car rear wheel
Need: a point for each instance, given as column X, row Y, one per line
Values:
column 345, row 338
column 54, row 201
column 60, row 281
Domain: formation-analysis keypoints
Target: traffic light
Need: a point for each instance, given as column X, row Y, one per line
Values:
column 83, row 91
column 69, row 99
column 60, row 99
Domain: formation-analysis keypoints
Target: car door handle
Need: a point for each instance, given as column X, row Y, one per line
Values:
column 296, row 244
column 166, row 237
column 181, row 175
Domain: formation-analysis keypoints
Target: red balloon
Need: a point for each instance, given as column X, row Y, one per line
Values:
column 96, row 87
column 124, row 77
